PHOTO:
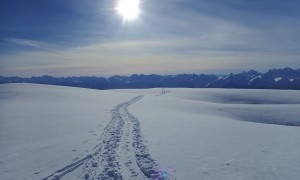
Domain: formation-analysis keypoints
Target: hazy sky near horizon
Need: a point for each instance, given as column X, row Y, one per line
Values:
column 88, row 37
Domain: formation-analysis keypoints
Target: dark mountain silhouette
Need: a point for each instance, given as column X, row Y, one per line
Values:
column 286, row 78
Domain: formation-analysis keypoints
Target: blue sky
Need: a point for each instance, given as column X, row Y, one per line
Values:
column 80, row 37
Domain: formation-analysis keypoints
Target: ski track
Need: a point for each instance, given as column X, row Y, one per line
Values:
column 121, row 153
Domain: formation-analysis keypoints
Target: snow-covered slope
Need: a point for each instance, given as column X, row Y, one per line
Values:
column 44, row 128
column 206, row 133
column 73, row 133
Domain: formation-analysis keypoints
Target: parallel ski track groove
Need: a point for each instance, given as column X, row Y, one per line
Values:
column 122, row 135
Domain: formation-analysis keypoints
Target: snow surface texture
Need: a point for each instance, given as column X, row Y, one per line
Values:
column 71, row 133
column 206, row 133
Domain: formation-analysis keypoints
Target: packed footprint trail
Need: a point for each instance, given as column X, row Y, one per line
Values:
column 121, row 153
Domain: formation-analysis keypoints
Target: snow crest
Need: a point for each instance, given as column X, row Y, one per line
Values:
column 277, row 79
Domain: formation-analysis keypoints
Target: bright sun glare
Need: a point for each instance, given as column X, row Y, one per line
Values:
column 128, row 9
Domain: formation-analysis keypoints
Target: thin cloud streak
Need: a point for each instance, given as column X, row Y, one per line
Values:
column 136, row 57
column 170, row 37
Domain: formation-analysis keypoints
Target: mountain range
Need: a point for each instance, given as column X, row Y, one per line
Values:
column 286, row 78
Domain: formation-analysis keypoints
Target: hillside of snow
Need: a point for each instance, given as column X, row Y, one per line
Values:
column 50, row 132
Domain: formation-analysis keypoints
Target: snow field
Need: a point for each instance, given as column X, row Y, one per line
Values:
column 73, row 133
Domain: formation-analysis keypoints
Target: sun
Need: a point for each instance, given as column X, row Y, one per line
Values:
column 128, row 9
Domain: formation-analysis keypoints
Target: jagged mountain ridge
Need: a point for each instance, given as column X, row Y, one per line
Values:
column 286, row 78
